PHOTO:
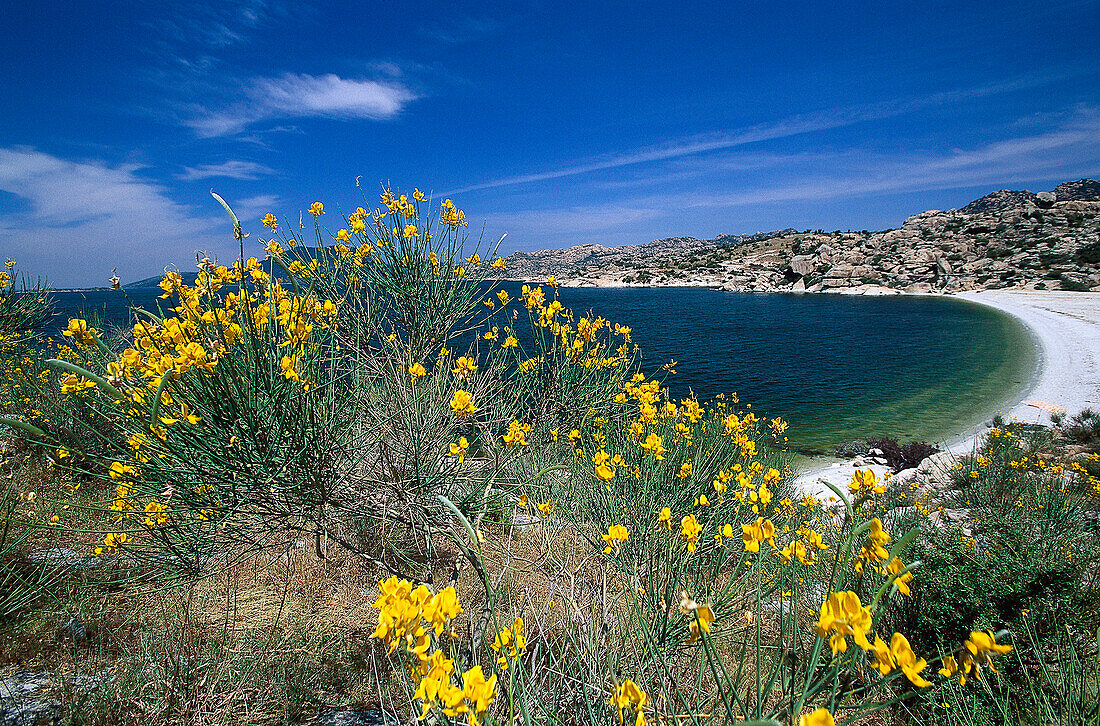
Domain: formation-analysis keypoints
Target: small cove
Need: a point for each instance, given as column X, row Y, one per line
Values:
column 837, row 367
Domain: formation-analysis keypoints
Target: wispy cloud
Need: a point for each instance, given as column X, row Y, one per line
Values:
column 684, row 147
column 253, row 208
column 83, row 218
column 232, row 169
column 1071, row 148
column 713, row 191
column 462, row 29
column 785, row 128
column 218, row 25
column 304, row 96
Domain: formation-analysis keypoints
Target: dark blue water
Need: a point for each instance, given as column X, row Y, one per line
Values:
column 837, row 367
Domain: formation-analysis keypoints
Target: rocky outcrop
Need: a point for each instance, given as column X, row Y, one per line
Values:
column 1006, row 239
column 999, row 201
column 1081, row 190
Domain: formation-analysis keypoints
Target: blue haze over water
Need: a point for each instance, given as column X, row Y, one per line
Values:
column 837, row 367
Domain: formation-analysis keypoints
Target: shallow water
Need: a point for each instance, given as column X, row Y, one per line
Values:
column 837, row 367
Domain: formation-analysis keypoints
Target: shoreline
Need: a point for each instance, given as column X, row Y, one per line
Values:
column 1065, row 327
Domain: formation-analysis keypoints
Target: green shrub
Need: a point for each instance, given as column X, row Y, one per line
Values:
column 1088, row 254
column 1083, row 429
column 1031, row 544
column 1072, row 285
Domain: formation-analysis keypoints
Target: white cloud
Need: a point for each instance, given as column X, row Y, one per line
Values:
column 83, row 218
column 304, row 96
column 254, row 208
column 228, row 170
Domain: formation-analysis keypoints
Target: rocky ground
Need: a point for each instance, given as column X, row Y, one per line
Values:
column 1006, row 239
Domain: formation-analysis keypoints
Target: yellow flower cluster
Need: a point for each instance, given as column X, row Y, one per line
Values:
column 409, row 618
column 462, row 403
column 510, row 643
column 842, row 614
column 972, row 656
column 629, row 697
column 616, row 535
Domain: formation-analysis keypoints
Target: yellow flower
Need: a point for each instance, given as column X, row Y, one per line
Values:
column 510, row 342
column 112, row 542
column 616, row 535
column 685, row 471
column 759, row 531
column 700, row 622
column 902, row 581
column 629, row 696
column 462, row 403
column 690, row 530
column 545, row 508
column 316, row 209
column 464, row 366
column 664, row 519
column 79, row 331
column 950, row 668
column 605, row 473
column 459, row 450
column 270, row 221
column 977, row 650
column 820, row 717
column 864, row 482
column 842, row 614
column 287, row 364
column 510, row 643
column 435, row 681
column 516, row 434
column 478, row 691
column 498, row 262
column 907, row 660
column 652, row 445
column 883, row 660
column 417, row 370
column 72, row 384
column 442, row 608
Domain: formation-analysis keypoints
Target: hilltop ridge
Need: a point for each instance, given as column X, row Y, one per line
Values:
column 1005, row 239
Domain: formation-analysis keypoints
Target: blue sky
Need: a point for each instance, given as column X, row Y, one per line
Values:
column 557, row 123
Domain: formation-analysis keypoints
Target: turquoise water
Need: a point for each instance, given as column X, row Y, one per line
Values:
column 837, row 367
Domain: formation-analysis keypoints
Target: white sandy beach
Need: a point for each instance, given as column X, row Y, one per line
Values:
column 1066, row 328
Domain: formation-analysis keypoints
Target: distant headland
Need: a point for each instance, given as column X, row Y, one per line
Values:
column 1004, row 240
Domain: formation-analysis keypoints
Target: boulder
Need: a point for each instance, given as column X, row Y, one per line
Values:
column 1045, row 200
column 802, row 265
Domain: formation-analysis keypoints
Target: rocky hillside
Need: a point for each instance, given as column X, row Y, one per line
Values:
column 1005, row 239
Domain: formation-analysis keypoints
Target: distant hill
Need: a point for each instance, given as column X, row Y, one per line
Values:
column 1007, row 238
column 1082, row 190
column 303, row 253
column 999, row 201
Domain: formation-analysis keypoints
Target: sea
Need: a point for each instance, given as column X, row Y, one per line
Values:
column 836, row 367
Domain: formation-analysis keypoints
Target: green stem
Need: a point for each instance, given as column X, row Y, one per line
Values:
column 61, row 365
column 29, row 428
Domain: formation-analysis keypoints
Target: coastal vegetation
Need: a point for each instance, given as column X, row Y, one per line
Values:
column 349, row 477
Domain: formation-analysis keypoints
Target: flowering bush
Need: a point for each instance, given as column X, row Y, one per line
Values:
column 555, row 538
